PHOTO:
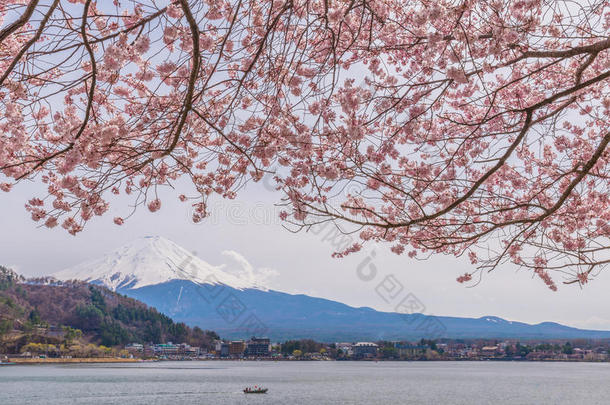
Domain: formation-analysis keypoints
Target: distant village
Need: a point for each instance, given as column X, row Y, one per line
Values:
column 474, row 350
column 73, row 347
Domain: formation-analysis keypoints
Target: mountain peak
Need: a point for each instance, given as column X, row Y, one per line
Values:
column 148, row 261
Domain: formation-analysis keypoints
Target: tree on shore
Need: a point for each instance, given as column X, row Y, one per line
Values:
column 71, row 334
column 462, row 127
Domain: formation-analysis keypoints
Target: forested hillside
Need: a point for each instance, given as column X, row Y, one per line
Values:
column 46, row 310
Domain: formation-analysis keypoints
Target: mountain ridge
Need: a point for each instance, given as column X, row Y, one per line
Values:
column 208, row 297
column 293, row 316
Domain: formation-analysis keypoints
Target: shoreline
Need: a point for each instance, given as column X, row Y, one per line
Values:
column 100, row 360
column 73, row 360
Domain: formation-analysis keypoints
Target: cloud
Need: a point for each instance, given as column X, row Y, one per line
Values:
column 238, row 266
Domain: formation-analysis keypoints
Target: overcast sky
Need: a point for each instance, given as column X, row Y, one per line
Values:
column 302, row 261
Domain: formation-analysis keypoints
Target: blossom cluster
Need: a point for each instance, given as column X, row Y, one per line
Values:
column 473, row 127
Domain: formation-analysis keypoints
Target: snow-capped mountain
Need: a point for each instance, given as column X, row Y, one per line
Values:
column 163, row 275
column 148, row 261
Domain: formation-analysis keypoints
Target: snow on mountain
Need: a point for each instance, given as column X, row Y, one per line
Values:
column 160, row 273
column 149, row 261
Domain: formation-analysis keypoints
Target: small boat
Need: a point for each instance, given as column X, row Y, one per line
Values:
column 7, row 363
column 255, row 390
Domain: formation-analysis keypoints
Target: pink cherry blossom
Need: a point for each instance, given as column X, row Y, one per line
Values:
column 154, row 205
column 477, row 129
column 174, row 11
column 51, row 222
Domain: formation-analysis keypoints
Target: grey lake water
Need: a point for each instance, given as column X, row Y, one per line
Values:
column 221, row 382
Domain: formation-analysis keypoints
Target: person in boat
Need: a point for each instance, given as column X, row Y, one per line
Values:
column 256, row 389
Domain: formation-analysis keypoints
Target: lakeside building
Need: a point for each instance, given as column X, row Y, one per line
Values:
column 222, row 349
column 588, row 355
column 490, row 351
column 346, row 348
column 169, row 350
column 165, row 349
column 258, row 347
column 237, row 348
column 365, row 349
column 409, row 350
column 188, row 350
column 135, row 348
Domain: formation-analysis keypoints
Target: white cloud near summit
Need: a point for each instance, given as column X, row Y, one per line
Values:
column 240, row 267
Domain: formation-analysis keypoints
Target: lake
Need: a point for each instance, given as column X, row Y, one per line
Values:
column 221, row 382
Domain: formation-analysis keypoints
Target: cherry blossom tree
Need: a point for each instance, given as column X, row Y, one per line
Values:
column 464, row 127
